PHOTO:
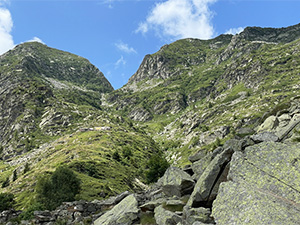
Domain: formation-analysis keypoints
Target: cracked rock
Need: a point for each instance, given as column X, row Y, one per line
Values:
column 264, row 186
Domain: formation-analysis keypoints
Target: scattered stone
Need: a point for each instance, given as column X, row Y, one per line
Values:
column 125, row 213
column 8, row 215
column 199, row 155
column 43, row 216
column 264, row 136
column 176, row 182
column 201, row 214
column 244, row 131
column 165, row 217
column 150, row 206
column 269, row 124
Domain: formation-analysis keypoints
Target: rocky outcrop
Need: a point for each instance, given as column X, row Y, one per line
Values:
column 277, row 35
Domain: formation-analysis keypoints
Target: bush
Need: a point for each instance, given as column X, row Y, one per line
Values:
column 127, row 153
column 116, row 156
column 61, row 186
column 26, row 168
column 28, row 214
column 157, row 165
column 5, row 183
column 6, row 201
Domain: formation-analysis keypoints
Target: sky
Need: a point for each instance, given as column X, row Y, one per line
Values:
column 115, row 35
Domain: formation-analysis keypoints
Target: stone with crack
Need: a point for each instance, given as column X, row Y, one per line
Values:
column 206, row 187
column 264, row 186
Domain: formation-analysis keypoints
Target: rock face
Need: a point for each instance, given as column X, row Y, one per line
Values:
column 126, row 212
column 263, row 188
column 204, row 189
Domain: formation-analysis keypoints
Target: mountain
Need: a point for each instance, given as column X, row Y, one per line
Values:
column 193, row 92
column 216, row 109
column 51, row 115
column 38, row 85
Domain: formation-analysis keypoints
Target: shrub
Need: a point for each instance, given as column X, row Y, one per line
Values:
column 28, row 214
column 15, row 176
column 116, row 156
column 6, row 201
column 127, row 153
column 157, row 165
column 61, row 186
column 5, row 183
column 26, row 168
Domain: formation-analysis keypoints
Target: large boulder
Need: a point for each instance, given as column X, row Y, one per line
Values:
column 269, row 124
column 165, row 217
column 207, row 186
column 176, row 182
column 125, row 213
column 264, row 186
column 264, row 136
column 199, row 166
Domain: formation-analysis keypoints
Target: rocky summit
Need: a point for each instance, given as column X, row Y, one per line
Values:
column 205, row 132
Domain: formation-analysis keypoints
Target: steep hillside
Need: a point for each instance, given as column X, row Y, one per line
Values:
column 192, row 94
column 51, row 116
column 40, row 90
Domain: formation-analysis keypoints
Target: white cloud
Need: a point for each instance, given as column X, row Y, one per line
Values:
column 36, row 39
column 6, row 24
column 125, row 48
column 235, row 30
column 120, row 61
column 180, row 19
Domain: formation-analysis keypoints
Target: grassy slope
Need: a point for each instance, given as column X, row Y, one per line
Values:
column 59, row 93
column 90, row 155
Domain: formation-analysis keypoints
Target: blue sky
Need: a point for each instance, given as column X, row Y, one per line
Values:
column 115, row 35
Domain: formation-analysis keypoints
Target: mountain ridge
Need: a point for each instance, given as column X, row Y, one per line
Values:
column 192, row 96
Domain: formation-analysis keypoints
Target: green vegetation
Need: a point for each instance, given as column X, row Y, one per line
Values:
column 6, row 201
column 56, row 110
column 61, row 186
column 156, row 167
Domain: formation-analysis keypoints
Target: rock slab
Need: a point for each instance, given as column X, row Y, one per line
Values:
column 264, row 186
column 176, row 182
column 125, row 213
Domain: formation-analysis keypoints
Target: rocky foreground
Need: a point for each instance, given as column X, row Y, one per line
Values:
column 249, row 180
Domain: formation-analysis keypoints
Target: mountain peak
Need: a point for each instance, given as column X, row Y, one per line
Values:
column 279, row 35
column 37, row 59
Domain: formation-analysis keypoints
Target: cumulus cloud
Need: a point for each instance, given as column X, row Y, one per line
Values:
column 36, row 39
column 180, row 19
column 6, row 24
column 125, row 48
column 235, row 30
